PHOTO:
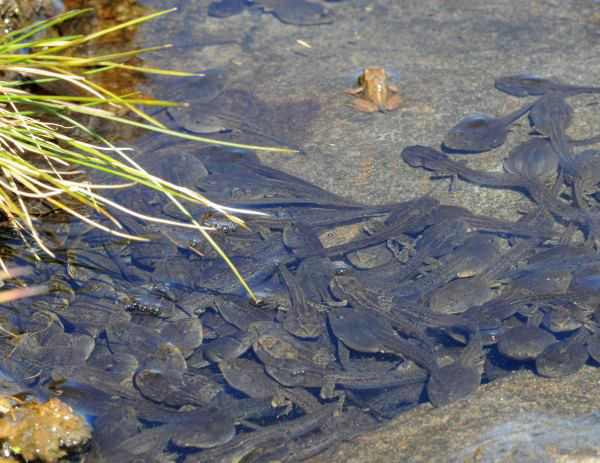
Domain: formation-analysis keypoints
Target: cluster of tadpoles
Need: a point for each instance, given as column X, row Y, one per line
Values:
column 473, row 299
column 536, row 303
column 532, row 163
column 427, row 303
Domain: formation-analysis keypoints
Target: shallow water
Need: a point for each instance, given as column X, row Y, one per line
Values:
column 126, row 334
column 537, row 438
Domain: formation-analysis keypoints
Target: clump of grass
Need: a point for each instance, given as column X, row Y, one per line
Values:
column 39, row 160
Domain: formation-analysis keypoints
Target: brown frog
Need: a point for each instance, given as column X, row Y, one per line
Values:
column 377, row 93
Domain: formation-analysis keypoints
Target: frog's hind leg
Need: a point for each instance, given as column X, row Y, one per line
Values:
column 393, row 102
column 365, row 106
column 328, row 391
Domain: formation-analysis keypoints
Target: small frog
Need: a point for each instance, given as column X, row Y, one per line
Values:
column 376, row 92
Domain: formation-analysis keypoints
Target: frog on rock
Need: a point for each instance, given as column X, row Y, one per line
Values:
column 376, row 93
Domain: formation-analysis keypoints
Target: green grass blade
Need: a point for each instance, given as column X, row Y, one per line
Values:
column 39, row 26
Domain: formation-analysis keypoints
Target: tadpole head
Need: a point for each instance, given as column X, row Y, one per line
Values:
column 415, row 156
column 475, row 134
column 522, row 84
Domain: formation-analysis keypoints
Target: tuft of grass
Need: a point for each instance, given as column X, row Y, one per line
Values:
column 39, row 160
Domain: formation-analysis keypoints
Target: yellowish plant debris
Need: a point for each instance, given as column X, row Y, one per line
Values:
column 42, row 431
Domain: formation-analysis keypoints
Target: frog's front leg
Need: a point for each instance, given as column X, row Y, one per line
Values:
column 354, row 90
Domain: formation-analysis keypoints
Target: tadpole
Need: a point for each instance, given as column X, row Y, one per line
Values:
column 478, row 133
